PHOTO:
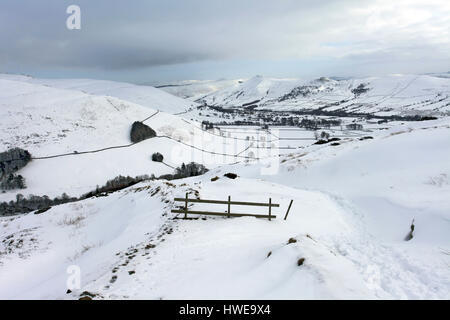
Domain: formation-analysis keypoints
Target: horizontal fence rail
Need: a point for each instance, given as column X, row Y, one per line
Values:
column 240, row 203
column 228, row 213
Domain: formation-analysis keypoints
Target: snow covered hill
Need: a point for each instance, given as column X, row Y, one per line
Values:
column 146, row 96
column 347, row 236
column 50, row 121
column 389, row 95
column 195, row 89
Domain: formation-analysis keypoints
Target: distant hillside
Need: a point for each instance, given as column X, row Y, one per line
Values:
column 389, row 95
column 146, row 96
column 195, row 89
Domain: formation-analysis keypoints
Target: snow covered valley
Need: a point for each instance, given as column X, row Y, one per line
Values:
column 348, row 234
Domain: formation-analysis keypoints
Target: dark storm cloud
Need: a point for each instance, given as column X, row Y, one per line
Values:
column 112, row 36
column 139, row 34
column 122, row 34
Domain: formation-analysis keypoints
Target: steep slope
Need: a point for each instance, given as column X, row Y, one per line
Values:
column 256, row 90
column 389, row 95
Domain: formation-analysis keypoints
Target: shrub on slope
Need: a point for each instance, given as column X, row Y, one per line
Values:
column 10, row 162
column 12, row 182
column 186, row 170
column 140, row 132
column 13, row 160
column 190, row 170
column 157, row 157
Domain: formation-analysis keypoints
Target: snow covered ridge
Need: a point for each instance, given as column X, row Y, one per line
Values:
column 389, row 95
column 194, row 89
column 146, row 96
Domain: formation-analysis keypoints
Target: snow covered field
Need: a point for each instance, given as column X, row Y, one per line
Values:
column 353, row 202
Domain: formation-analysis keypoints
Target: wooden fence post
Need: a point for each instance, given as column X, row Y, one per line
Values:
column 270, row 208
column 186, row 206
column 289, row 208
column 229, row 206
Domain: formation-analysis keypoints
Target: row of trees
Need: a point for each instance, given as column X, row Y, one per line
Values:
column 33, row 203
column 118, row 183
column 186, row 170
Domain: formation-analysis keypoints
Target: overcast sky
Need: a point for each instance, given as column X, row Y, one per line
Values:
column 148, row 41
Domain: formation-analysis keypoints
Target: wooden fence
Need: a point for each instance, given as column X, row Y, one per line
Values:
column 228, row 213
